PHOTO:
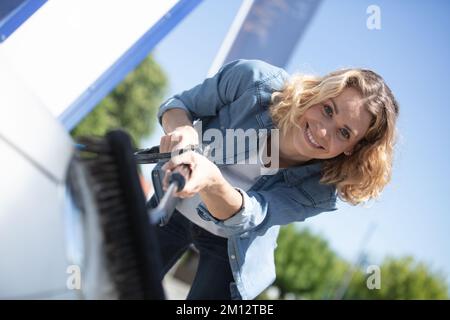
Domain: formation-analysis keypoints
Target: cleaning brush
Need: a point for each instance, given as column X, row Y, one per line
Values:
column 130, row 242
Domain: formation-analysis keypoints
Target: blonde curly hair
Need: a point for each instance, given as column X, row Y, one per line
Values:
column 362, row 175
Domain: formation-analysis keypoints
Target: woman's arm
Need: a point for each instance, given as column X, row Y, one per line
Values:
column 231, row 82
column 179, row 131
column 222, row 199
column 174, row 118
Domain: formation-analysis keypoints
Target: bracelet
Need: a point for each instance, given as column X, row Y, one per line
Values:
column 242, row 195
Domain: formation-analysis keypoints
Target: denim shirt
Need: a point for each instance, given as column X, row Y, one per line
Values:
column 239, row 96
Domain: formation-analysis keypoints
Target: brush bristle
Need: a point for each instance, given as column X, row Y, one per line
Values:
column 130, row 243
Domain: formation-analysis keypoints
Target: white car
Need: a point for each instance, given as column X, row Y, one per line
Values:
column 68, row 229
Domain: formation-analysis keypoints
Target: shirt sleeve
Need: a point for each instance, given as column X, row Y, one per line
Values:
column 279, row 206
column 226, row 86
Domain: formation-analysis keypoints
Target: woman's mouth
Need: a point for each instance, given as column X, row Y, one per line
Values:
column 310, row 139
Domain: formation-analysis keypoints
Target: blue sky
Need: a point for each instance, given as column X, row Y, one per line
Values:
column 411, row 52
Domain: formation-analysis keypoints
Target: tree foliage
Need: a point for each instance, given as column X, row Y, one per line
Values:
column 132, row 105
column 306, row 265
column 401, row 278
column 307, row 268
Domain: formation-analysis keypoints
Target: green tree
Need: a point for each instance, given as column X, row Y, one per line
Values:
column 309, row 269
column 306, row 265
column 132, row 105
column 400, row 278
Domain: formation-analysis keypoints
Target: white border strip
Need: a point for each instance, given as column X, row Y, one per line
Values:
column 230, row 37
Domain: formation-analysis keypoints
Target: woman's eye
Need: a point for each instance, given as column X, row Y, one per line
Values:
column 328, row 110
column 345, row 133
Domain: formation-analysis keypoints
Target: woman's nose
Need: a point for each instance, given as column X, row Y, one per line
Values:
column 322, row 132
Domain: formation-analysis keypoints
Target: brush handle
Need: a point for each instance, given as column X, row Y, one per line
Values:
column 163, row 212
column 179, row 179
column 152, row 155
column 179, row 176
column 165, row 209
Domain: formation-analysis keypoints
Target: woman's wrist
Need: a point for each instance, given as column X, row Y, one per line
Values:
column 175, row 118
column 216, row 184
column 221, row 198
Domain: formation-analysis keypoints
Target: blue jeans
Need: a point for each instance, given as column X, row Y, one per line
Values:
column 213, row 279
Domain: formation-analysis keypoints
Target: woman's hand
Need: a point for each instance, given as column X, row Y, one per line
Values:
column 202, row 173
column 179, row 138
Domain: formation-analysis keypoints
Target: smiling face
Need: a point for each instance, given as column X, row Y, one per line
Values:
column 327, row 129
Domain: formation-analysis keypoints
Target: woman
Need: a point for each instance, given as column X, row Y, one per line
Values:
column 336, row 136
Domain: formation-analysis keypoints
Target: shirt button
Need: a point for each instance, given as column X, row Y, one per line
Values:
column 233, row 256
